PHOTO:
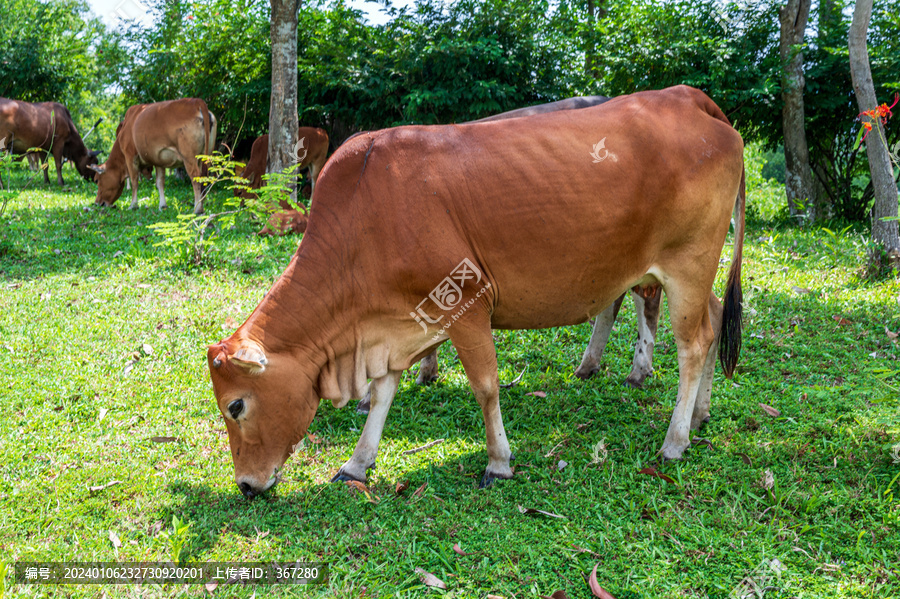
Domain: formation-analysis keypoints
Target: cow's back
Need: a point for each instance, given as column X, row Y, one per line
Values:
column 557, row 232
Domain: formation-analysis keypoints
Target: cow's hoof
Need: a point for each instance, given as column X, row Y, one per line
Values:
column 635, row 382
column 489, row 477
column 341, row 477
column 362, row 407
column 425, row 378
column 672, row 452
column 586, row 372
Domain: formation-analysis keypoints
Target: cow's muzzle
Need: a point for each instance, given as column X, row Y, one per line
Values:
column 249, row 490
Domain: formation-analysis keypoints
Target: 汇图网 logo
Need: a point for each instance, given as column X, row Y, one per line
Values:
column 448, row 295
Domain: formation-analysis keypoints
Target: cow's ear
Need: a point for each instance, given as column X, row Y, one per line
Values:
column 249, row 356
column 99, row 169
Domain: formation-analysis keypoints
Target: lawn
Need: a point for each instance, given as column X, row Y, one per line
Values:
column 109, row 430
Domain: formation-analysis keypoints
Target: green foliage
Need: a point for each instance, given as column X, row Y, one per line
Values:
column 191, row 237
column 57, row 51
column 178, row 538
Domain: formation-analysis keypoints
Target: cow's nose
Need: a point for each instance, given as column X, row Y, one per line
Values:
column 248, row 491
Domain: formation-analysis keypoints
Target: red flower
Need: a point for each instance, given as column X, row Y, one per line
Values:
column 881, row 113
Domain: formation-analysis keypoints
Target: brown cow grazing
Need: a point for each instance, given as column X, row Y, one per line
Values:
column 49, row 127
column 161, row 135
column 311, row 152
column 286, row 221
column 435, row 237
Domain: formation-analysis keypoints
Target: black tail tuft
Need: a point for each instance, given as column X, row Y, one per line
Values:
column 730, row 337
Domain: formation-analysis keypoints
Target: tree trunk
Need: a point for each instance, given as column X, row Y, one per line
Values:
column 884, row 232
column 799, row 183
column 283, row 109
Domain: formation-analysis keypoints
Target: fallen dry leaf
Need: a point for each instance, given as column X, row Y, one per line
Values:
column 101, row 487
column 768, row 480
column 101, row 414
column 229, row 324
column 800, row 290
column 841, row 320
column 459, row 551
column 561, row 464
column 401, row 487
column 114, row 539
column 537, row 393
column 892, row 336
column 211, row 586
column 429, row 579
column 315, row 440
column 418, row 491
column 770, row 410
column 358, row 486
column 148, row 349
column 596, row 589
column 560, row 594
column 746, row 459
column 530, row 511
column 163, row 439
column 649, row 471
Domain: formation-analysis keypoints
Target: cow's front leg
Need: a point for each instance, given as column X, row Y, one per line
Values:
column 647, row 311
column 590, row 361
column 382, row 394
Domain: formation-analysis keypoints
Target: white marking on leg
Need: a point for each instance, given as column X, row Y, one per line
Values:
column 161, row 186
column 383, row 390
column 590, row 361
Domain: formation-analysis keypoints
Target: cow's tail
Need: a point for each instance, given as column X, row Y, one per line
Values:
column 730, row 338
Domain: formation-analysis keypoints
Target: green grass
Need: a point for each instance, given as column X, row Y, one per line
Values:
column 82, row 291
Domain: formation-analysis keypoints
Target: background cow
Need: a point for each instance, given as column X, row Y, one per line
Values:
column 507, row 225
column 311, row 152
column 161, row 135
column 49, row 127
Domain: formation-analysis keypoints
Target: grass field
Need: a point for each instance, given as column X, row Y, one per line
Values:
column 102, row 348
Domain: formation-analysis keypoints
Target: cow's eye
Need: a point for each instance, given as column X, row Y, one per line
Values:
column 236, row 407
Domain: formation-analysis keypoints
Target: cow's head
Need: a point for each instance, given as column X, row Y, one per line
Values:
column 110, row 184
column 267, row 405
column 84, row 164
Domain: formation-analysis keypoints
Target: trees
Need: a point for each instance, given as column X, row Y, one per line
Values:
column 283, row 107
column 799, row 183
column 884, row 210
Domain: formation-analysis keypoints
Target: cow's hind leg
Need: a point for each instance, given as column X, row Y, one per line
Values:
column 694, row 336
column 475, row 347
column 428, row 369
column 647, row 311
column 704, row 395
column 382, row 393
column 590, row 361
column 161, row 186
